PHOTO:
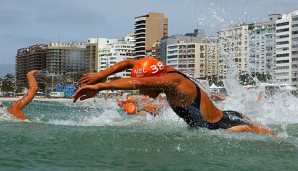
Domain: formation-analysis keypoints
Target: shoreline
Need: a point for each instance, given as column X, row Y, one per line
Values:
column 3, row 99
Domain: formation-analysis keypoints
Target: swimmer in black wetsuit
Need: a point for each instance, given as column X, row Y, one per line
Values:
column 186, row 98
column 191, row 114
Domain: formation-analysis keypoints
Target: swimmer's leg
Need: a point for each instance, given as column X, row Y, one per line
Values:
column 240, row 128
column 251, row 128
column 261, row 129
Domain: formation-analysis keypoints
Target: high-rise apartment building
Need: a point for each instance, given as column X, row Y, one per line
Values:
column 262, row 43
column 65, row 58
column 30, row 58
column 149, row 29
column 199, row 60
column 92, row 56
column 287, row 50
column 198, row 36
column 92, row 47
column 114, row 53
column 232, row 50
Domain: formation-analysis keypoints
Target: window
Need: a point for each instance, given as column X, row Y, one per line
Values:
column 282, row 24
column 282, row 30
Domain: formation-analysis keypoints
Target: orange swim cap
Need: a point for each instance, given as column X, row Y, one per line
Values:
column 147, row 67
column 130, row 108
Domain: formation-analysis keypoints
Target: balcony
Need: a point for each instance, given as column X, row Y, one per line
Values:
column 294, row 28
column 140, row 29
column 285, row 71
column 140, row 36
column 282, row 46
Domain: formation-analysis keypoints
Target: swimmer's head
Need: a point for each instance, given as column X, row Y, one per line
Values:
column 130, row 108
column 1, row 105
column 147, row 67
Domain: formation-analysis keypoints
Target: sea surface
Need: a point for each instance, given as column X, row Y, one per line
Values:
column 100, row 136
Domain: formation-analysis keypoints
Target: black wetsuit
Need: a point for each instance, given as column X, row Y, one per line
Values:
column 192, row 116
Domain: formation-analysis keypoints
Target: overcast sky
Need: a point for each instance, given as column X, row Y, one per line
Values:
column 27, row 22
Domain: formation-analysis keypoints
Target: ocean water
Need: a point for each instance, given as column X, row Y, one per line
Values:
column 100, row 136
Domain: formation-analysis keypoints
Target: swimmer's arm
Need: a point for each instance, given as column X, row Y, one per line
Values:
column 146, row 102
column 166, row 82
column 154, row 83
column 17, row 107
column 159, row 105
column 142, row 113
column 93, row 78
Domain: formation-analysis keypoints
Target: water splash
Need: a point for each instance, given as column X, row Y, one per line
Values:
column 277, row 109
column 210, row 16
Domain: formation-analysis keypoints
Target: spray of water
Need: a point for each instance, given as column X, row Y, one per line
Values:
column 270, row 109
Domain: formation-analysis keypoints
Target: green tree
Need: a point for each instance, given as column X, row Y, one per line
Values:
column 246, row 79
column 8, row 83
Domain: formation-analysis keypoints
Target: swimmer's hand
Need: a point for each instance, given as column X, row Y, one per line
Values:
column 85, row 92
column 32, row 72
column 90, row 79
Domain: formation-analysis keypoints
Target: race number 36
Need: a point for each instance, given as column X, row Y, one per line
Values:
column 156, row 68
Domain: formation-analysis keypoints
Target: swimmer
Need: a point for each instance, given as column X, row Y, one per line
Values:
column 140, row 102
column 132, row 109
column 144, row 103
column 16, row 109
column 129, row 99
column 151, row 77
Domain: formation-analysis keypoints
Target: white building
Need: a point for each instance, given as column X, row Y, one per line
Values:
column 262, row 43
column 92, row 46
column 287, row 50
column 66, row 57
column 199, row 60
column 116, row 52
column 232, row 50
column 102, row 42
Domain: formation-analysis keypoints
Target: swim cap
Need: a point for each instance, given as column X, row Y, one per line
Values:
column 1, row 104
column 130, row 108
column 147, row 67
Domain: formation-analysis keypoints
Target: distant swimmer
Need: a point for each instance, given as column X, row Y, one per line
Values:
column 16, row 109
column 132, row 109
column 129, row 99
column 139, row 106
column 185, row 97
